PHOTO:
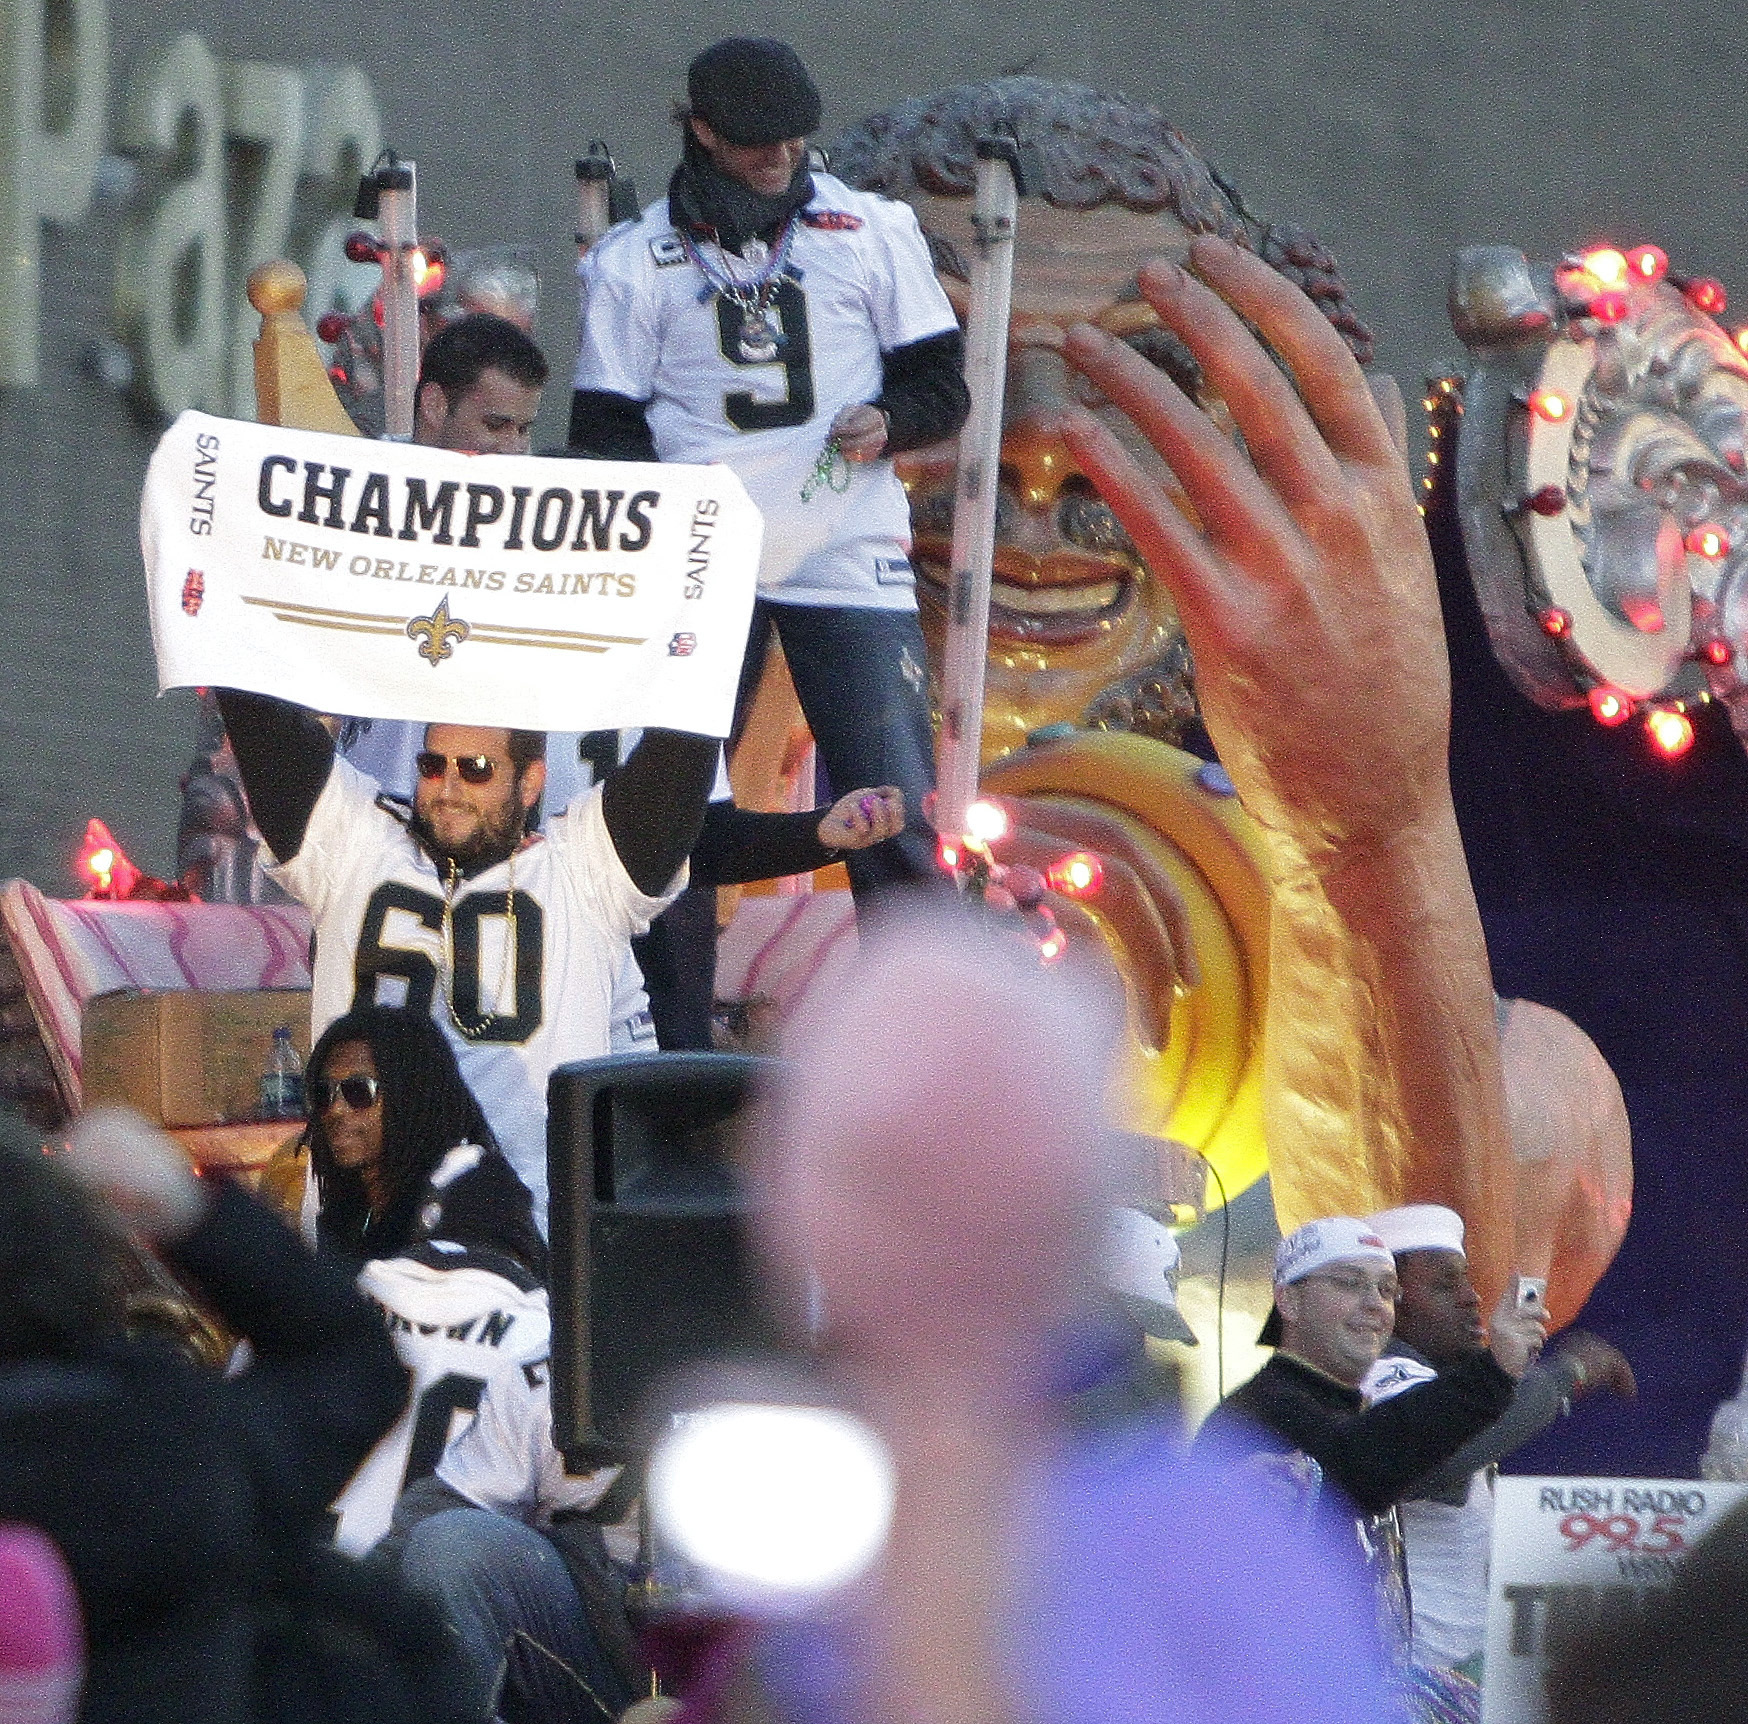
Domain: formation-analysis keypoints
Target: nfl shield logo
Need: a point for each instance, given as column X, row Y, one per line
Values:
column 682, row 646
column 193, row 591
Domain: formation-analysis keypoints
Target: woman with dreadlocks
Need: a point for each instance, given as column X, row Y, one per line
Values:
column 387, row 1109
column 409, row 1181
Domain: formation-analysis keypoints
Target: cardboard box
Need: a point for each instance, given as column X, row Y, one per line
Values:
column 185, row 1058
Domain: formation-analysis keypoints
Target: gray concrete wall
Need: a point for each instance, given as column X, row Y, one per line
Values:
column 1397, row 131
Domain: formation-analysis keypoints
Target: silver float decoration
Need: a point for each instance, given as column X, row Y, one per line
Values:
column 1601, row 485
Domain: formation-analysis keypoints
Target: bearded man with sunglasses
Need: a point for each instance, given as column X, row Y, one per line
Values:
column 512, row 941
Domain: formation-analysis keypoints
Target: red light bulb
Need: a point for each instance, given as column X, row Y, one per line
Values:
column 1077, row 875
column 1671, row 731
column 331, row 325
column 1649, row 263
column 428, row 270
column 1608, row 706
column 362, row 247
column 1607, row 265
column 1717, row 651
column 986, row 821
column 1705, row 293
column 104, row 863
column 1555, row 621
column 1548, row 502
column 1551, row 405
column 1709, row 542
column 1611, row 307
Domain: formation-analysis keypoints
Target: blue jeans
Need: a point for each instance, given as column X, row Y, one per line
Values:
column 862, row 679
column 512, row 1605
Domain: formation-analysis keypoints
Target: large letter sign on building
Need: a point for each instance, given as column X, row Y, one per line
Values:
column 54, row 98
column 237, row 162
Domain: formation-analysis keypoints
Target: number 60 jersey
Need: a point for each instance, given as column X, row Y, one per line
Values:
column 857, row 284
column 545, row 999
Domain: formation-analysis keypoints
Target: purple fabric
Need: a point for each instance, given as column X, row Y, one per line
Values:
column 1168, row 1590
column 1161, row 1588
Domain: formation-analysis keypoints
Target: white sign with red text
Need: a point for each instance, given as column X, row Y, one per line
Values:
column 385, row 580
column 1566, row 1548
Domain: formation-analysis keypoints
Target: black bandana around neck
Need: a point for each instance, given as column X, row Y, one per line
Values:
column 700, row 195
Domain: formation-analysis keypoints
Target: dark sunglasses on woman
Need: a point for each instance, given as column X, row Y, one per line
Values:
column 358, row 1092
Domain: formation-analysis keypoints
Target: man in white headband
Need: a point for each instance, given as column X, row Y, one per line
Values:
column 1447, row 1523
column 1335, row 1304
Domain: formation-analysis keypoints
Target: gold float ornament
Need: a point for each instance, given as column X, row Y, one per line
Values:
column 292, row 386
column 1204, row 1087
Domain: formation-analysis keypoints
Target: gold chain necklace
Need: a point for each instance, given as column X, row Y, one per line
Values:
column 506, row 970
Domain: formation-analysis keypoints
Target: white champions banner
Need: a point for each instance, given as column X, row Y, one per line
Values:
column 384, row 580
column 1565, row 1548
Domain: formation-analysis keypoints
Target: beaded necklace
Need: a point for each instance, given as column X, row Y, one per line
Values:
column 759, row 338
column 506, row 971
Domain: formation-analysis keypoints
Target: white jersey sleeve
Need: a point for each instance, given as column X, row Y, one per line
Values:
column 344, row 825
column 618, row 344
column 905, row 298
column 460, row 1332
column 506, row 1461
column 595, row 873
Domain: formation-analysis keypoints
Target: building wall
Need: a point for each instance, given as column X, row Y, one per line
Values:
column 1397, row 129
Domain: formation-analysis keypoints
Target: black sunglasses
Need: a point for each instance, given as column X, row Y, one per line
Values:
column 474, row 768
column 358, row 1092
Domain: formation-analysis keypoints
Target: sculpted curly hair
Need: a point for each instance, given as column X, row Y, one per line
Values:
column 1095, row 149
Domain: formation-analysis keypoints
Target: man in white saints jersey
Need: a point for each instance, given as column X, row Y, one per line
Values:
column 511, row 940
column 769, row 317
column 463, row 1318
column 519, row 1556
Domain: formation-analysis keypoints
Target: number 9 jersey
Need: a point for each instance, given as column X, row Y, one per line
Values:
column 858, row 283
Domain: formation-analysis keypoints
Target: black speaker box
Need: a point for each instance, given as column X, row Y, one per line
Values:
column 650, row 1267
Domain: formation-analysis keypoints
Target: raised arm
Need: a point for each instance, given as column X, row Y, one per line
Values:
column 285, row 756
column 610, row 427
column 1307, row 592
column 654, row 804
column 739, row 845
column 324, row 1383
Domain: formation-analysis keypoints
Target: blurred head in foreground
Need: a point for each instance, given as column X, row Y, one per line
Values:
column 932, row 1160
column 60, row 1276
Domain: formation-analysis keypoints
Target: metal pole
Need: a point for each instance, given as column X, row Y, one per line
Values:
column 994, row 216
column 595, row 175
column 398, row 212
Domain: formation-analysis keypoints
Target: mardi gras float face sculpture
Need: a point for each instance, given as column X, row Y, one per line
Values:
column 1362, row 1103
column 1080, row 630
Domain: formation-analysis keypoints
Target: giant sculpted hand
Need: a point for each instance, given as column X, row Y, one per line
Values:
column 1307, row 592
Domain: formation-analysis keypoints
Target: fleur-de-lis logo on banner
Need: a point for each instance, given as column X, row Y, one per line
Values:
column 441, row 633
